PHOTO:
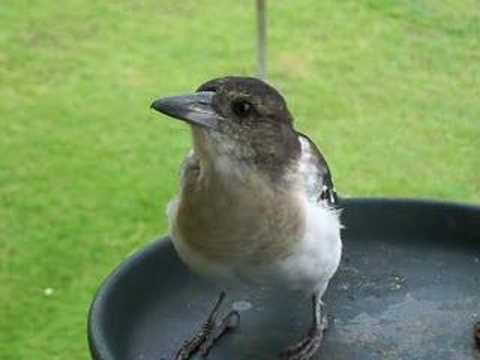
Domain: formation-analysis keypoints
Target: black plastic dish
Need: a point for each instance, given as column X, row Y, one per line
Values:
column 408, row 288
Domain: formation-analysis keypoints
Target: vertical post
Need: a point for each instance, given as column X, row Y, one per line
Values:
column 261, row 39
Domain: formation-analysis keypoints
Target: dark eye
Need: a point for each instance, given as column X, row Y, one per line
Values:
column 242, row 108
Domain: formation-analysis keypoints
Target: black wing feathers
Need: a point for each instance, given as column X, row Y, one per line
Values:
column 327, row 191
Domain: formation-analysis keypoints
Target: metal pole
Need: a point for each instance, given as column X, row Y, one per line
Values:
column 261, row 39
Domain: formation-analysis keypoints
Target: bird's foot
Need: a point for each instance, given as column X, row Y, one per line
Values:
column 211, row 331
column 476, row 334
column 306, row 348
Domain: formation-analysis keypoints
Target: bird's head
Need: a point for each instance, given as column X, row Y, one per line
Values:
column 237, row 118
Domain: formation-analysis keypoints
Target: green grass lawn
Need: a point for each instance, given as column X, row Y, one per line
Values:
column 389, row 90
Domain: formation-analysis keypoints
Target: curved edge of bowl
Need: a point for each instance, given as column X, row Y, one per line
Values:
column 96, row 337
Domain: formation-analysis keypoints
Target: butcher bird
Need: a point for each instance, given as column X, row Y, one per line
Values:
column 257, row 202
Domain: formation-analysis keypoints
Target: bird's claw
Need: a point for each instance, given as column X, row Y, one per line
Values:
column 306, row 348
column 210, row 332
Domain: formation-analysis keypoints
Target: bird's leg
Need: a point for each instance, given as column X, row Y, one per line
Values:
column 209, row 333
column 306, row 348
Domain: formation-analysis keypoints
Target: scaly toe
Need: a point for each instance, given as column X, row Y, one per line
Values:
column 228, row 323
column 210, row 332
column 306, row 348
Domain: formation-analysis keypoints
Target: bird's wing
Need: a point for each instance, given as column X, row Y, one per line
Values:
column 315, row 168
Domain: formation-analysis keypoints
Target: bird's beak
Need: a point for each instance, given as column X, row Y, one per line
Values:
column 195, row 108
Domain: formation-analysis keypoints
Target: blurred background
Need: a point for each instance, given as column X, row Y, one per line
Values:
column 389, row 90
